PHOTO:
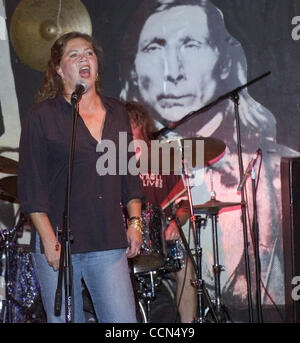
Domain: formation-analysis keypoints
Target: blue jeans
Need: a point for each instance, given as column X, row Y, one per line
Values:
column 106, row 275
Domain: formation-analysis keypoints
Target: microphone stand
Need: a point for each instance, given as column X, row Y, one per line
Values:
column 255, row 229
column 171, row 126
column 234, row 96
column 65, row 263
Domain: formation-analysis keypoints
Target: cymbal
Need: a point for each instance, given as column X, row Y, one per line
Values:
column 174, row 150
column 213, row 206
column 213, row 148
column 8, row 166
column 36, row 24
column 9, row 185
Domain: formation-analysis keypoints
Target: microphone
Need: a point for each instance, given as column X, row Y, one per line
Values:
column 80, row 88
column 248, row 170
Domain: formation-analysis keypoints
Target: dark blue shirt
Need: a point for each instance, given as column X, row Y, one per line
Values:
column 96, row 221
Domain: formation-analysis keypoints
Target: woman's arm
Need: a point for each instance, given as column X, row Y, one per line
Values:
column 44, row 228
column 134, row 235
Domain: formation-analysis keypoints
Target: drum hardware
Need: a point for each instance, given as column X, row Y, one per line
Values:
column 8, row 240
column 211, row 209
column 233, row 95
column 175, row 256
column 255, row 229
column 198, row 223
column 156, row 298
column 147, row 284
column 175, row 253
column 213, row 148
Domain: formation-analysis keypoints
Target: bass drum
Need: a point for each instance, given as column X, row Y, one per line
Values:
column 163, row 307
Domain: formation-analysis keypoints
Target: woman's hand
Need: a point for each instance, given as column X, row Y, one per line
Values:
column 52, row 253
column 134, row 235
column 134, row 238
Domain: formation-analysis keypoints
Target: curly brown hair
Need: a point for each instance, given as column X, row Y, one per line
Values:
column 140, row 117
column 52, row 83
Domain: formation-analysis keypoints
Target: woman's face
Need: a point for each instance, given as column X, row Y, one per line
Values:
column 175, row 64
column 78, row 63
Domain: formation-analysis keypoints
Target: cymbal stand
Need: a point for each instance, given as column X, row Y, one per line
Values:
column 217, row 268
column 146, row 291
column 255, row 228
column 198, row 223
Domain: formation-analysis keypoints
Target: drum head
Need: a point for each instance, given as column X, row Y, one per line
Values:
column 147, row 262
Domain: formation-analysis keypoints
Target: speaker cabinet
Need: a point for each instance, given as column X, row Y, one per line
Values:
column 290, row 185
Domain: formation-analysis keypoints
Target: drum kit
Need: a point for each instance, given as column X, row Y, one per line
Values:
column 19, row 286
column 158, row 259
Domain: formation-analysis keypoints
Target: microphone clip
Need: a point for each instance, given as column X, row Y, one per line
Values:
column 80, row 89
column 249, row 169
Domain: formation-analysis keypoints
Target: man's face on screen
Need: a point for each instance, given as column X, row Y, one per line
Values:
column 175, row 65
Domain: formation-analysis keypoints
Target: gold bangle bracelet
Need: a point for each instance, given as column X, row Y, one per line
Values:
column 138, row 226
column 135, row 218
column 134, row 221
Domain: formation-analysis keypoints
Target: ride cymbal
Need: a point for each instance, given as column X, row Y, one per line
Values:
column 36, row 24
column 196, row 152
column 213, row 148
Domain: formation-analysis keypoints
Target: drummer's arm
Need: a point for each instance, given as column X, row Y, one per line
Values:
column 182, row 215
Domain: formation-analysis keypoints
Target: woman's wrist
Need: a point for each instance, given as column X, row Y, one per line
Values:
column 136, row 222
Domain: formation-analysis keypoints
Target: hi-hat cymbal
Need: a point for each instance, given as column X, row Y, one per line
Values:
column 196, row 152
column 9, row 187
column 8, row 166
column 213, row 206
column 36, row 24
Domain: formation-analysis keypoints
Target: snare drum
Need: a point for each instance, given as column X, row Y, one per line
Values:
column 153, row 250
